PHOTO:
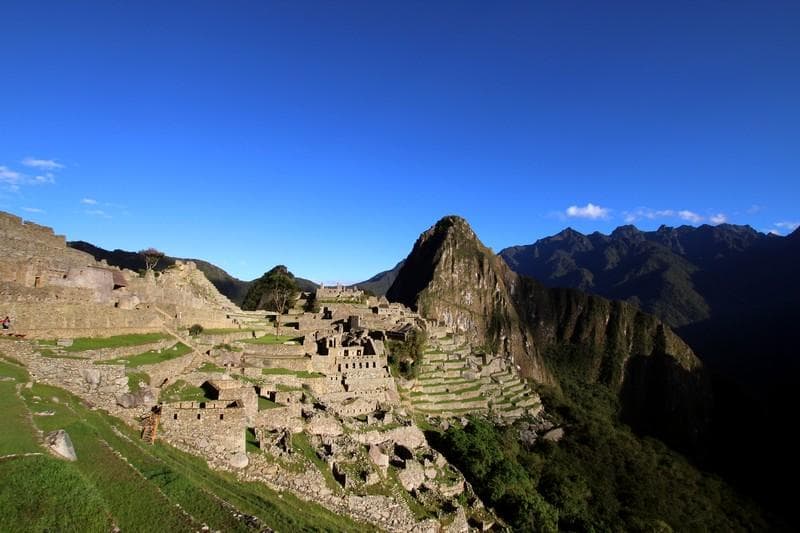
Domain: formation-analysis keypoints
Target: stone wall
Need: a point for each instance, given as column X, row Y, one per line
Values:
column 167, row 370
column 274, row 350
column 208, row 427
column 46, row 320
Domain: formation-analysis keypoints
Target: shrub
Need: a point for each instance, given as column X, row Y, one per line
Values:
column 195, row 330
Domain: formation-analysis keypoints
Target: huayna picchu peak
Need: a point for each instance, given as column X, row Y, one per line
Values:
column 552, row 334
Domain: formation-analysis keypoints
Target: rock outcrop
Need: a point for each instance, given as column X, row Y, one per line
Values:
column 556, row 334
column 61, row 445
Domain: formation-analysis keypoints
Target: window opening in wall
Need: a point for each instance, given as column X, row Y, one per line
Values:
column 38, row 281
column 175, row 416
column 198, row 416
column 221, row 416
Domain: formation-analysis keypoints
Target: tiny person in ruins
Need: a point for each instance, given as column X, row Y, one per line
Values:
column 6, row 322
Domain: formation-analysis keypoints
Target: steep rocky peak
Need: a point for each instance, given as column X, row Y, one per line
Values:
column 628, row 231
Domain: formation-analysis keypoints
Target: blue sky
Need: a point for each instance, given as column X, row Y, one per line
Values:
column 328, row 135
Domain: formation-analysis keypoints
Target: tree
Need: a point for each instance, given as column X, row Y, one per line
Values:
column 151, row 257
column 275, row 291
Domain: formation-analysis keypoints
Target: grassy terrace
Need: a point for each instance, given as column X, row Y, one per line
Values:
column 181, row 391
column 266, row 403
column 118, row 341
column 223, row 331
column 273, row 339
column 120, row 482
column 149, row 357
column 473, row 388
column 210, row 367
column 287, row 372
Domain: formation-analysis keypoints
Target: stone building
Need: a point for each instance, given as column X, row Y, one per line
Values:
column 339, row 293
column 212, row 427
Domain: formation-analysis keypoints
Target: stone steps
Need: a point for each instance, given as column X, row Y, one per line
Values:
column 514, row 389
column 462, row 404
column 441, row 374
column 504, row 377
column 446, row 397
column 528, row 402
column 450, row 387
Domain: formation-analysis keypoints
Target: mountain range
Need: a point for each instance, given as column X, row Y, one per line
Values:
column 731, row 293
column 234, row 288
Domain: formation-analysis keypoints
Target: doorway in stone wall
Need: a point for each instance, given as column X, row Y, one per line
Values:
column 37, row 281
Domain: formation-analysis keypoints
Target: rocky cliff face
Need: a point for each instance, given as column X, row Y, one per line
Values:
column 557, row 334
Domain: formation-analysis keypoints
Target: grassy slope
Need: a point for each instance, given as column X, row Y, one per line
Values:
column 119, row 480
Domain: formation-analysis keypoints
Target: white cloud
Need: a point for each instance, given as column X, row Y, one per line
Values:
column 33, row 210
column 690, row 216
column 719, row 218
column 88, row 201
column 98, row 213
column 46, row 178
column 13, row 180
column 789, row 226
column 646, row 213
column 755, row 208
column 775, row 232
column 9, row 176
column 44, row 164
column 590, row 210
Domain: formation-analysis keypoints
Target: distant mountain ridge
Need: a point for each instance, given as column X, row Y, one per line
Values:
column 380, row 282
column 658, row 271
column 732, row 294
column 234, row 288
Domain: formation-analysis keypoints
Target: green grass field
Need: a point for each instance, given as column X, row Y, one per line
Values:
column 149, row 357
column 118, row 341
column 287, row 372
column 273, row 339
column 119, row 481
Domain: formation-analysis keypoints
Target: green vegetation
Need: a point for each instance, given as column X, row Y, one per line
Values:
column 49, row 487
column 287, row 372
column 195, row 330
column 266, row 403
column 301, row 444
column 134, row 378
column 120, row 481
column 600, row 477
column 405, row 358
column 149, row 357
column 210, row 367
column 47, row 352
column 228, row 347
column 275, row 291
column 118, row 341
column 180, row 391
column 17, row 435
column 273, row 339
column 223, row 331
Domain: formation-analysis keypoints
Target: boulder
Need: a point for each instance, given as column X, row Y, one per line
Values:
column 64, row 342
column 554, row 435
column 320, row 424
column 143, row 396
column 239, row 460
column 413, row 476
column 378, row 457
column 91, row 375
column 61, row 445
